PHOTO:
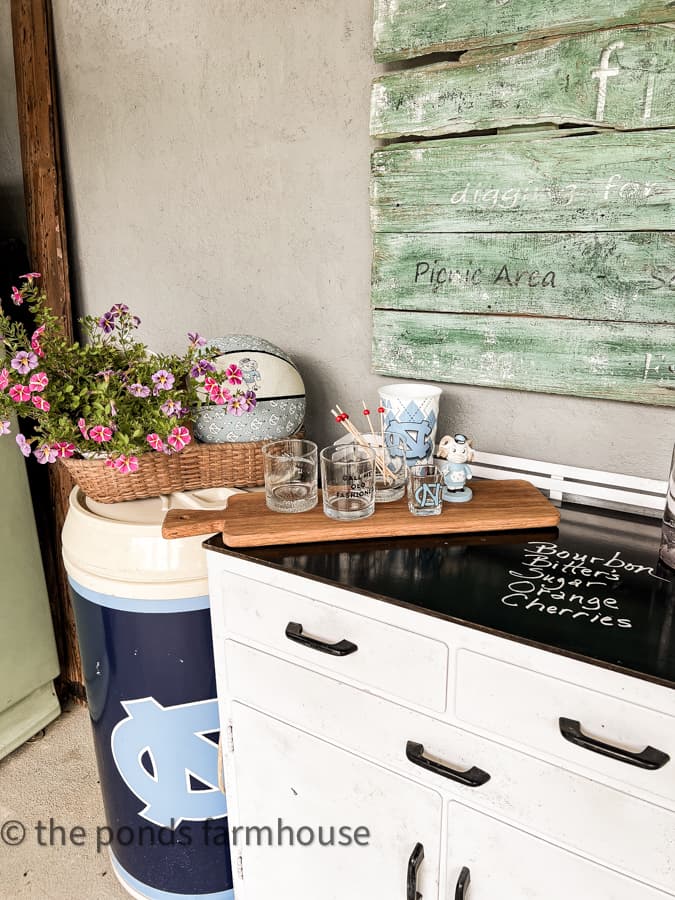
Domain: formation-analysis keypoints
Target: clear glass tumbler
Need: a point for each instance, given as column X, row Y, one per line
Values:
column 391, row 472
column 290, row 475
column 667, row 551
column 425, row 490
column 348, row 481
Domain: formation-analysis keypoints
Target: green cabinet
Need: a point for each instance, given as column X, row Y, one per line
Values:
column 28, row 661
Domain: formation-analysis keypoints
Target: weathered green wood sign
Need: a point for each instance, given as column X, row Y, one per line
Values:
column 604, row 182
column 623, row 78
column 541, row 260
column 624, row 361
column 406, row 28
column 614, row 276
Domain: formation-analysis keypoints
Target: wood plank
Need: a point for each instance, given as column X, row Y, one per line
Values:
column 618, row 276
column 619, row 361
column 406, row 28
column 624, row 78
column 32, row 32
column 247, row 522
column 602, row 182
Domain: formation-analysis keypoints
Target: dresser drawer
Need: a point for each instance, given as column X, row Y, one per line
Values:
column 498, row 862
column 580, row 813
column 377, row 656
column 526, row 707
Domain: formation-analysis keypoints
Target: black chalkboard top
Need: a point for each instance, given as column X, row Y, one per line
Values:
column 592, row 589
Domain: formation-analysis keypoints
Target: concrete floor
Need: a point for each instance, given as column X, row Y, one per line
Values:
column 55, row 777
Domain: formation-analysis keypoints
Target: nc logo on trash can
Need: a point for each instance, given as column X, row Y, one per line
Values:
column 165, row 759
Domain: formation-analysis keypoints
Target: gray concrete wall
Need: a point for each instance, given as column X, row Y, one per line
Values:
column 12, row 210
column 218, row 160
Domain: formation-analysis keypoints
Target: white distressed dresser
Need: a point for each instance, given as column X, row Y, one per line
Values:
column 496, row 715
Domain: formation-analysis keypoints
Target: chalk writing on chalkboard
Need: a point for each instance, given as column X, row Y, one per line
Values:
column 556, row 582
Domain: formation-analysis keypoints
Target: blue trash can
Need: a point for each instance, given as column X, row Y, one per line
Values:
column 143, row 622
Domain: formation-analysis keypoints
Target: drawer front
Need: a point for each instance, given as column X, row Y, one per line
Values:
column 387, row 659
column 584, row 815
column 526, row 707
column 497, row 862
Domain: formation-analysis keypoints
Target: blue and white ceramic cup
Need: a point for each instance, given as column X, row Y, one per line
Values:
column 411, row 413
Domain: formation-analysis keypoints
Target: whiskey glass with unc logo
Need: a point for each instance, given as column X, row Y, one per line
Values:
column 425, row 490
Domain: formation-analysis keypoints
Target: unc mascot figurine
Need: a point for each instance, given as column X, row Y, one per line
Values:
column 456, row 472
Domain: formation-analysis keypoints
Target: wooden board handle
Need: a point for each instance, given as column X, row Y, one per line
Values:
column 182, row 523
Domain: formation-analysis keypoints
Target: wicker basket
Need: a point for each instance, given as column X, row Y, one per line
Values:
column 196, row 467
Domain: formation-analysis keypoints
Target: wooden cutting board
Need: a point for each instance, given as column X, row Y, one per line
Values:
column 247, row 522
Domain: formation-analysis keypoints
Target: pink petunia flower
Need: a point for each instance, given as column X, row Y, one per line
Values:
column 24, row 362
column 126, row 464
column 4, row 379
column 179, row 437
column 119, row 308
column 100, row 434
column 24, row 445
column 249, row 401
column 82, row 425
column 138, row 390
column 40, row 403
column 64, row 449
column 237, row 405
column 19, row 393
column 234, row 374
column 155, row 442
column 201, row 368
column 196, row 340
column 4, row 426
column 111, row 463
column 16, row 296
column 163, row 380
column 29, row 276
column 45, row 454
column 172, row 408
column 219, row 394
column 38, row 381
column 107, row 322
column 35, row 340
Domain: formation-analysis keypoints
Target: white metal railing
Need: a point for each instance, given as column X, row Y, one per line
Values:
column 561, row 482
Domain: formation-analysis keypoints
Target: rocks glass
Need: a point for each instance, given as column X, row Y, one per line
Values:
column 290, row 475
column 348, row 481
column 425, row 490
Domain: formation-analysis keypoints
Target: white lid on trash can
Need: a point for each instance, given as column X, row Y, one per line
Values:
column 118, row 548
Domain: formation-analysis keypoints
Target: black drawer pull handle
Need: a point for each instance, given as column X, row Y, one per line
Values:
column 463, row 883
column 414, row 863
column 342, row 648
column 471, row 778
column 649, row 758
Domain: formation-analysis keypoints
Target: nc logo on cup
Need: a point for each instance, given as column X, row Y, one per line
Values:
column 428, row 495
column 414, row 427
column 164, row 757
